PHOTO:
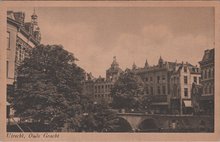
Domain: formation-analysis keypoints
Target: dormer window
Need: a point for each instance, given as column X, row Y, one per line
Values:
column 185, row 69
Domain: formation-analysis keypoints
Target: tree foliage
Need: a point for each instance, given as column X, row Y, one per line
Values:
column 128, row 91
column 48, row 87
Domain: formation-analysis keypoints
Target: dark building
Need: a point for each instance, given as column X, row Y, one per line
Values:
column 157, row 81
column 184, row 75
column 21, row 37
column 100, row 88
column 169, row 84
column 114, row 71
column 207, row 66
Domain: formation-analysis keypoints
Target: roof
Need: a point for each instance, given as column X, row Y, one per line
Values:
column 17, row 19
column 209, row 56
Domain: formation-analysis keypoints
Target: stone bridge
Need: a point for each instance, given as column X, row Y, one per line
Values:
column 155, row 122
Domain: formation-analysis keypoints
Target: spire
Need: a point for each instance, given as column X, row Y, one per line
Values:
column 34, row 16
column 160, row 62
column 134, row 66
column 114, row 63
column 36, row 29
column 114, row 59
column 146, row 64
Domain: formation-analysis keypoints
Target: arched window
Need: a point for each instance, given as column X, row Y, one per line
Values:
column 213, row 70
column 205, row 74
column 201, row 74
column 210, row 89
column 205, row 89
column 209, row 73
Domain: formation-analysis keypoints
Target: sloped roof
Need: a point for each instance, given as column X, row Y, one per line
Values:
column 208, row 56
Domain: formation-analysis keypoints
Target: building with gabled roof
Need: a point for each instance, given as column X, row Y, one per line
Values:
column 207, row 65
column 181, row 81
column 21, row 37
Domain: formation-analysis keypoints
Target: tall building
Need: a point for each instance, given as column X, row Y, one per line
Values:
column 182, row 79
column 157, row 81
column 114, row 71
column 207, row 66
column 21, row 37
column 169, row 84
column 100, row 88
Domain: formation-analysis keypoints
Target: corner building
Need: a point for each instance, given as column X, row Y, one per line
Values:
column 183, row 77
column 157, row 81
column 169, row 84
column 207, row 66
column 21, row 37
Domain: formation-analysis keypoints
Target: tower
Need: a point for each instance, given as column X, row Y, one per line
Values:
column 34, row 20
column 160, row 62
column 134, row 66
column 36, row 29
column 112, row 74
column 146, row 64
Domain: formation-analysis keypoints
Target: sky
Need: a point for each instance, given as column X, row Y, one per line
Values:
column 95, row 35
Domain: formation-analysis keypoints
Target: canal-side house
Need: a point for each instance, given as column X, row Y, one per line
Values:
column 157, row 81
column 182, row 78
column 207, row 66
column 21, row 37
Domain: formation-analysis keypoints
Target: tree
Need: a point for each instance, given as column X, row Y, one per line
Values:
column 128, row 91
column 48, row 88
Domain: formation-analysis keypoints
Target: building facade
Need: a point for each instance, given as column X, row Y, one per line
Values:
column 169, row 84
column 21, row 37
column 182, row 79
column 112, row 74
column 157, row 81
column 100, row 88
column 207, row 66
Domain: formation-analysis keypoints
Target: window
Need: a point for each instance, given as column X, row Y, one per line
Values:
column 147, row 90
column 199, row 79
column 95, row 89
column 151, row 90
column 212, row 72
column 210, row 89
column 158, row 90
column 146, row 79
column 186, row 92
column 185, row 80
column 202, row 74
column 205, row 90
column 205, row 74
column 98, row 89
column 7, row 69
column 185, row 69
column 151, row 79
column 195, row 79
column 164, row 90
column 158, row 79
column 209, row 73
column 8, row 40
column 163, row 77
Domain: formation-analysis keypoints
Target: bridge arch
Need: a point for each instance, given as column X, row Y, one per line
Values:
column 148, row 124
column 123, row 125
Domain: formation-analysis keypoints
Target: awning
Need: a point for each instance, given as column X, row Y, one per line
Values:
column 7, row 103
column 187, row 103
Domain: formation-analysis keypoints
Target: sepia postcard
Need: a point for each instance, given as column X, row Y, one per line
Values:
column 109, row 70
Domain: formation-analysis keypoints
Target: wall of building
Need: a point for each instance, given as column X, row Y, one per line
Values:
column 11, row 50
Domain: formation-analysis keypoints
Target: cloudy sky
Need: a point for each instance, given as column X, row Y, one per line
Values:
column 132, row 34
